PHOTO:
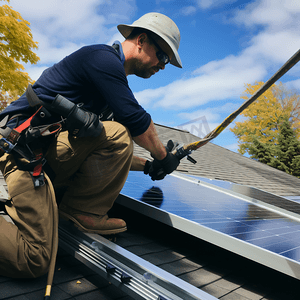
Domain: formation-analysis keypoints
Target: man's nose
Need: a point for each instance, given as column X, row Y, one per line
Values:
column 161, row 66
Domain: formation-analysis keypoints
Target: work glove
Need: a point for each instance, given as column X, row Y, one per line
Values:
column 154, row 173
column 158, row 169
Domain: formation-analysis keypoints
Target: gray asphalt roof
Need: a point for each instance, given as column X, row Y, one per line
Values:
column 216, row 162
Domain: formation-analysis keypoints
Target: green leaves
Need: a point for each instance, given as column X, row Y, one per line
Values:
column 285, row 155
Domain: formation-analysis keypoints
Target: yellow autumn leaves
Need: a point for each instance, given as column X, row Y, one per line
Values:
column 264, row 116
column 16, row 47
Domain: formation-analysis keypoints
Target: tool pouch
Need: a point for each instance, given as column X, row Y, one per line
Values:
column 79, row 122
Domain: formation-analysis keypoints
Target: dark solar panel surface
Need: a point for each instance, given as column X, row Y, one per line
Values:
column 219, row 211
column 255, row 193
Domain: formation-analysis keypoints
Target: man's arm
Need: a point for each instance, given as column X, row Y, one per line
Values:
column 138, row 163
column 164, row 161
column 150, row 141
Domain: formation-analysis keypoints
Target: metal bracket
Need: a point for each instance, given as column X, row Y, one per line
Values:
column 125, row 278
column 189, row 158
column 161, row 298
column 110, row 269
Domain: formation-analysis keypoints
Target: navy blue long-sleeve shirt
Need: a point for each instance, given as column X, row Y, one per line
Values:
column 95, row 76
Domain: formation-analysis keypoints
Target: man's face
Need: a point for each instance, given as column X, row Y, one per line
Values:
column 147, row 64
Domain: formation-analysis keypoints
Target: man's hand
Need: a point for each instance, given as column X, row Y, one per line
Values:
column 158, row 169
column 154, row 173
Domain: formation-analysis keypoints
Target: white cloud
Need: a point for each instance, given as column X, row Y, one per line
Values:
column 216, row 80
column 117, row 36
column 203, row 121
column 280, row 37
column 146, row 97
column 211, row 114
column 232, row 147
column 49, row 52
column 294, row 84
column 207, row 113
column 35, row 71
column 69, row 18
column 205, row 4
column 276, row 48
column 198, row 128
column 188, row 10
column 275, row 14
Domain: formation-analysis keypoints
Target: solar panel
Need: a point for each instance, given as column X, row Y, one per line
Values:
column 212, row 210
column 293, row 198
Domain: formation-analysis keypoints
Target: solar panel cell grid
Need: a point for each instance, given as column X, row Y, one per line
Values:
column 219, row 211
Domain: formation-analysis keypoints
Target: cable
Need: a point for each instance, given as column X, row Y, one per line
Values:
column 54, row 242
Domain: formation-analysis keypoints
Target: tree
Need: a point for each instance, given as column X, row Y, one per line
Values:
column 5, row 99
column 264, row 153
column 284, row 155
column 263, row 117
column 290, row 101
column 287, row 152
column 16, row 45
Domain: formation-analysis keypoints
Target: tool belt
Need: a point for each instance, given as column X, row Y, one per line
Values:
column 29, row 141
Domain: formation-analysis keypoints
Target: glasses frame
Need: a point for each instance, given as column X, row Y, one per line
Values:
column 160, row 54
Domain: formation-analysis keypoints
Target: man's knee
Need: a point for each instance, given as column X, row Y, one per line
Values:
column 38, row 261
column 28, row 264
column 127, row 140
column 121, row 137
column 40, row 265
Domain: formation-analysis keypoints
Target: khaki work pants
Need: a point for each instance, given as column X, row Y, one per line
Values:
column 93, row 169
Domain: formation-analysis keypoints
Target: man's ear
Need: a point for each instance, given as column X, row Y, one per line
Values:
column 141, row 39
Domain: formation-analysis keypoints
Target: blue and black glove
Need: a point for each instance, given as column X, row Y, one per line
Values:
column 158, row 169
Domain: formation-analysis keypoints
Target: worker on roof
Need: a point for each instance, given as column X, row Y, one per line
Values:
column 90, row 164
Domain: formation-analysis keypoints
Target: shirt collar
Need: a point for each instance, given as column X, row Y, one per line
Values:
column 120, row 51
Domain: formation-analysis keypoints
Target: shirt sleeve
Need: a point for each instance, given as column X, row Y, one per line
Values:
column 105, row 71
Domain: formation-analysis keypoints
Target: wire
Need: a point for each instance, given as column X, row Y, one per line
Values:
column 54, row 241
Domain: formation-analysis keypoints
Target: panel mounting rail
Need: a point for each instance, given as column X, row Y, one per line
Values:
column 130, row 273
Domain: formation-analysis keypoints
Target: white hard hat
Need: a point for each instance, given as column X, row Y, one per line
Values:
column 162, row 26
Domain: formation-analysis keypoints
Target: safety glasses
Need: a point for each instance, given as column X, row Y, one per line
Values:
column 161, row 55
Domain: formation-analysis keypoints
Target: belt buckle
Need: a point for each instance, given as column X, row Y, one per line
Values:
column 6, row 145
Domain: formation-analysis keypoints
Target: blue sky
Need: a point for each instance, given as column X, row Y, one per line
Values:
column 225, row 44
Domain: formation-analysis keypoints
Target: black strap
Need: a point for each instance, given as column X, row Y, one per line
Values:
column 116, row 47
column 32, row 97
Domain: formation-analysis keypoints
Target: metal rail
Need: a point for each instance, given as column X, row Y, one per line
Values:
column 128, row 272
